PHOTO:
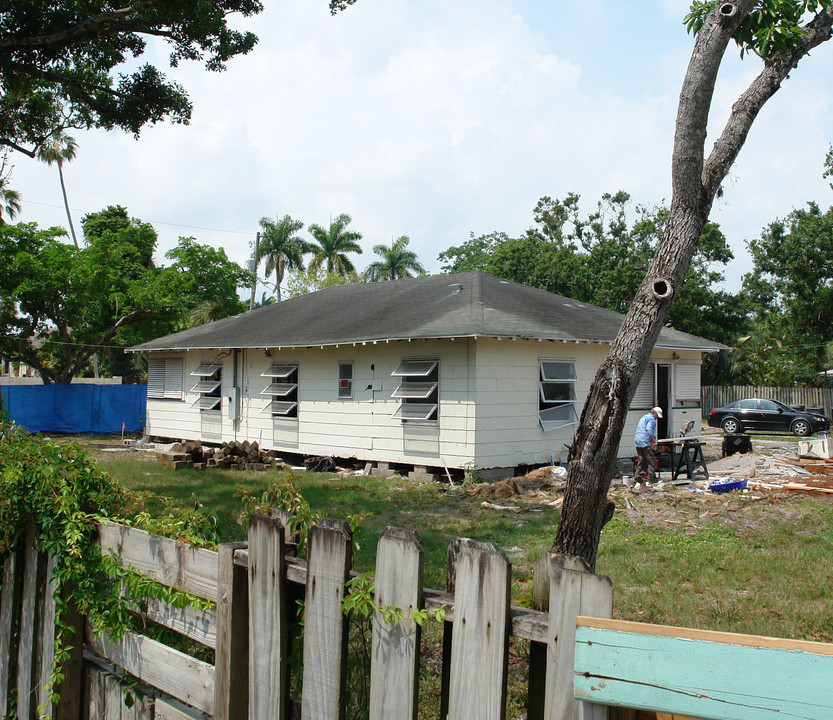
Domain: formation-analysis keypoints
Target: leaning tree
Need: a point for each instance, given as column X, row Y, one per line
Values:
column 781, row 33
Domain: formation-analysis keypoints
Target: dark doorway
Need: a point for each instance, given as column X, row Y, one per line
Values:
column 663, row 399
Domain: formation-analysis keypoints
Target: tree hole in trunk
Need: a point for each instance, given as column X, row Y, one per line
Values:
column 727, row 10
column 662, row 289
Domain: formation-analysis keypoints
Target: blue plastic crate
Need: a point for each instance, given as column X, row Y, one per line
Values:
column 727, row 485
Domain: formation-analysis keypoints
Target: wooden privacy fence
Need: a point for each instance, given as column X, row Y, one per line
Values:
column 255, row 585
column 713, row 396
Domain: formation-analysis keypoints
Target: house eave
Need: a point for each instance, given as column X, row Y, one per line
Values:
column 384, row 341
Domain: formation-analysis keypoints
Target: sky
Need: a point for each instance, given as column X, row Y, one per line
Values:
column 436, row 119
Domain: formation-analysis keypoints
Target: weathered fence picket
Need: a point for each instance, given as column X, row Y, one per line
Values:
column 330, row 546
column 574, row 591
column 480, row 645
column 395, row 645
column 231, row 657
column 268, row 632
column 9, row 601
column 580, row 667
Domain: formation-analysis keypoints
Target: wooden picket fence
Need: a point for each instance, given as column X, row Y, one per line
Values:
column 581, row 664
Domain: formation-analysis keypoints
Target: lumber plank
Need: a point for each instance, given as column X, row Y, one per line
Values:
column 480, row 645
column 173, row 672
column 394, row 669
column 172, row 563
column 268, row 632
column 633, row 665
column 325, row 625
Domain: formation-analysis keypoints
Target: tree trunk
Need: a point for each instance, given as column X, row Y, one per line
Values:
column 695, row 182
column 66, row 205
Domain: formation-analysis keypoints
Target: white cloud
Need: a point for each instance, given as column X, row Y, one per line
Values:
column 436, row 118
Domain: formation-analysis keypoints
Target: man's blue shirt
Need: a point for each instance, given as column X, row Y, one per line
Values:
column 646, row 431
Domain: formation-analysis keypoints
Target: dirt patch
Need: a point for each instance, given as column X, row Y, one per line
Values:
column 771, row 471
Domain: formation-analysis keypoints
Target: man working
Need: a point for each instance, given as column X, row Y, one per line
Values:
column 645, row 441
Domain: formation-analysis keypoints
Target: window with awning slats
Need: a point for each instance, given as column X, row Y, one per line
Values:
column 557, row 394
column 208, row 388
column 418, row 390
column 283, row 395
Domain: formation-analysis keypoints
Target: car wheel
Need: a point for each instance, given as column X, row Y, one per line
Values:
column 802, row 428
column 731, row 426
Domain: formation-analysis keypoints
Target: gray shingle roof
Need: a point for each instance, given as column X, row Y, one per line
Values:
column 471, row 304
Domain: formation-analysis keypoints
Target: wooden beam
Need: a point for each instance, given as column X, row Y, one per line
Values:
column 172, row 563
column 174, row 673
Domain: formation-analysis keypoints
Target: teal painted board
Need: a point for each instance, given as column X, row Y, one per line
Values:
column 701, row 679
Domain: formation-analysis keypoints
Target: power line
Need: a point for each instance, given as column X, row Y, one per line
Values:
column 152, row 222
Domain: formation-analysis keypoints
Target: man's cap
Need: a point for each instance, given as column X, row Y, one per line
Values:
column 658, row 411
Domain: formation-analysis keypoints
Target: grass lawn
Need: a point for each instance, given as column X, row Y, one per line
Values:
column 739, row 564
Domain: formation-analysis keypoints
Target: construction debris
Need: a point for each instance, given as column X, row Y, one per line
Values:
column 233, row 455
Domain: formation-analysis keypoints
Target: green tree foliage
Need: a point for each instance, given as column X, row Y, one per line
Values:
column 397, row 261
column 333, row 244
column 602, row 257
column 789, row 298
column 203, row 277
column 773, row 26
column 474, row 254
column 282, row 248
column 57, row 149
column 60, row 305
column 303, row 282
column 63, row 63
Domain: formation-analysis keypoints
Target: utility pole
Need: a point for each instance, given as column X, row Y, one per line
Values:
column 254, row 272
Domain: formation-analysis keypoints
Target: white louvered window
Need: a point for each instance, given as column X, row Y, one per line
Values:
column 209, row 379
column 644, row 397
column 282, row 390
column 165, row 378
column 557, row 394
column 687, row 382
column 418, row 390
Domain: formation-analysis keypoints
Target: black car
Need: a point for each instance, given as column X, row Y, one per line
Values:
column 768, row 416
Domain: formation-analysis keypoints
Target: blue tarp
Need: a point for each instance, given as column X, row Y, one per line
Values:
column 76, row 408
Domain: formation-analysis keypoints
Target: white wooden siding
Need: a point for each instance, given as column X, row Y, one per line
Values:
column 488, row 395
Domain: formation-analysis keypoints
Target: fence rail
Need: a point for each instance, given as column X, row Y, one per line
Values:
column 716, row 395
column 255, row 585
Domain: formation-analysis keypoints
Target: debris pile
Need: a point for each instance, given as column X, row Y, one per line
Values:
column 233, row 455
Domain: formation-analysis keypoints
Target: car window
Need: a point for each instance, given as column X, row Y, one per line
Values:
column 769, row 405
column 747, row 404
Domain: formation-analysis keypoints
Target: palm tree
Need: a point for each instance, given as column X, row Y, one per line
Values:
column 333, row 246
column 9, row 199
column 56, row 149
column 281, row 247
column 397, row 261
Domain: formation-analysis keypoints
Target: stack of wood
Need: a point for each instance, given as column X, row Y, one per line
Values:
column 233, row 455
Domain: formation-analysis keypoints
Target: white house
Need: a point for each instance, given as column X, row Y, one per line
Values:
column 450, row 370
